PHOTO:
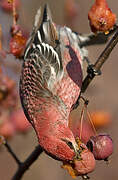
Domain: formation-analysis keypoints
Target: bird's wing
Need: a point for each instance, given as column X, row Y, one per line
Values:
column 43, row 50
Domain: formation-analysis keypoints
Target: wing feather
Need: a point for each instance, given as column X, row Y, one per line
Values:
column 44, row 51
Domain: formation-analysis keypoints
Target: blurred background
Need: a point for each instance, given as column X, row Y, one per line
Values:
column 102, row 92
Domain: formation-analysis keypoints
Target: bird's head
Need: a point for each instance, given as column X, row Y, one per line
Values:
column 54, row 135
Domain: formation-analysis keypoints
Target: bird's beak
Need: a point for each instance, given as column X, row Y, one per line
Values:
column 75, row 146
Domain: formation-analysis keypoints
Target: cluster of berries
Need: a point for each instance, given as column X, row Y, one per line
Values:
column 12, row 118
column 18, row 34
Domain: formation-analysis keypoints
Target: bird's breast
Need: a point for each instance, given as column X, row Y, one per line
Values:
column 68, row 89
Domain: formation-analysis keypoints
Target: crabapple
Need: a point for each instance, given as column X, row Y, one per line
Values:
column 19, row 121
column 100, row 119
column 101, row 17
column 17, row 45
column 8, row 6
column 101, row 146
column 7, row 129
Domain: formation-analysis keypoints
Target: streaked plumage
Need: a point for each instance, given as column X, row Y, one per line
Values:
column 50, row 84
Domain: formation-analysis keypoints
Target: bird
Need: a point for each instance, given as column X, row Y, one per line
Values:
column 50, row 83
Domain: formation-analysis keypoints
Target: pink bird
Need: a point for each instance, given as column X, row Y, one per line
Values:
column 50, row 84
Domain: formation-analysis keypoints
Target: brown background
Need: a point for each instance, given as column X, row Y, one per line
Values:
column 102, row 94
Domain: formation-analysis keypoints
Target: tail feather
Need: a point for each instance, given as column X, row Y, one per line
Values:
column 48, row 29
column 46, row 14
column 44, row 31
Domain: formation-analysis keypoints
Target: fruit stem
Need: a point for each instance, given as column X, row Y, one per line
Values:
column 14, row 12
column 101, row 2
column 86, row 101
column 81, row 122
column 90, row 119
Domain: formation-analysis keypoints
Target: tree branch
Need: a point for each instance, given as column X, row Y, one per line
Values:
column 12, row 153
column 94, row 70
column 27, row 163
column 99, row 63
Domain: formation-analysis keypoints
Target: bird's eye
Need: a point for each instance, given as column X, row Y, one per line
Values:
column 69, row 143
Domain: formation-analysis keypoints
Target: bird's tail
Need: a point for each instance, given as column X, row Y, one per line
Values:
column 44, row 30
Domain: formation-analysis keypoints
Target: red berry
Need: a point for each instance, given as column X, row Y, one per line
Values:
column 81, row 165
column 17, row 45
column 86, row 164
column 8, row 6
column 100, row 118
column 101, row 146
column 7, row 129
column 71, row 9
column 101, row 17
column 71, row 13
column 19, row 121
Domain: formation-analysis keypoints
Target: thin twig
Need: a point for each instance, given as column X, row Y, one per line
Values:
column 12, row 153
column 23, row 166
column 0, row 37
column 101, row 38
column 14, row 12
column 86, row 101
column 90, row 119
column 100, row 61
column 81, row 122
column 27, row 163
